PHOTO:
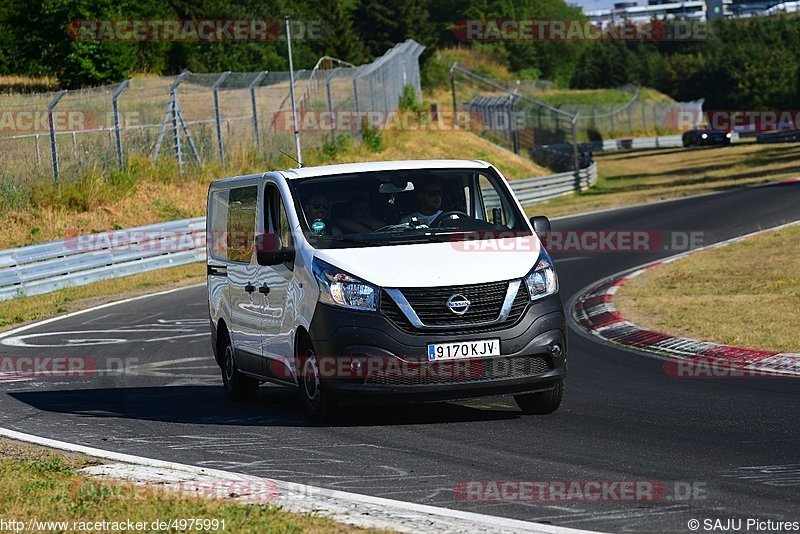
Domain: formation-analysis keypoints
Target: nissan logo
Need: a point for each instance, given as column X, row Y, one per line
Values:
column 458, row 304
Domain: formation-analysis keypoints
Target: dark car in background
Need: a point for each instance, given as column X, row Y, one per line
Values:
column 701, row 136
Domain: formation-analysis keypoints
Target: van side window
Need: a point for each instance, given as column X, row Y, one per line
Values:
column 277, row 221
column 218, row 224
column 242, row 204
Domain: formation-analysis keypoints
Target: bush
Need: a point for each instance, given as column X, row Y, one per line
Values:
column 435, row 74
column 408, row 100
column 372, row 138
column 337, row 146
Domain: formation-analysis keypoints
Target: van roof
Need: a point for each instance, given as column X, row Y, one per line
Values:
column 371, row 166
column 351, row 168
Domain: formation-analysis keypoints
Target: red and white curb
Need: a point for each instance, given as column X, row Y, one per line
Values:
column 593, row 310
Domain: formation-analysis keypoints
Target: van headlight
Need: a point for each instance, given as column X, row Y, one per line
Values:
column 339, row 288
column 542, row 280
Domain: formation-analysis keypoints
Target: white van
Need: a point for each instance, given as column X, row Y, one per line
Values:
column 397, row 281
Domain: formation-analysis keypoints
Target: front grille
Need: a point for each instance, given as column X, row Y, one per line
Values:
column 462, row 371
column 486, row 301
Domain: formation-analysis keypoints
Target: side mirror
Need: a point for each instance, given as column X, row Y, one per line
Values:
column 270, row 251
column 541, row 224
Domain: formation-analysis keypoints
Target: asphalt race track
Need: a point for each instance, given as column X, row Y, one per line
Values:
column 623, row 418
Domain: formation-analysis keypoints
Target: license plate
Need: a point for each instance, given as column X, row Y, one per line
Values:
column 463, row 349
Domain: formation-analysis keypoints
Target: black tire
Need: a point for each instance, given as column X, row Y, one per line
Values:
column 238, row 387
column 541, row 402
column 318, row 403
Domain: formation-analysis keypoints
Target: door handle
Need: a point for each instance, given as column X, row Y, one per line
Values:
column 249, row 287
column 264, row 289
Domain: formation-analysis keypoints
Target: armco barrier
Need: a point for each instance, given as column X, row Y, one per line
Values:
column 39, row 269
column 633, row 143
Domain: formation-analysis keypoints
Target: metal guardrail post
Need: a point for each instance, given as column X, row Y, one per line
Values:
column 215, row 90
column 575, row 142
column 52, row 127
column 117, row 134
column 253, row 86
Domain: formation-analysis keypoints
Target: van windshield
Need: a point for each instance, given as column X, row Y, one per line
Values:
column 411, row 206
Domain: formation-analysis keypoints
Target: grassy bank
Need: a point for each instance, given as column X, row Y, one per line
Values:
column 44, row 485
column 746, row 294
column 627, row 178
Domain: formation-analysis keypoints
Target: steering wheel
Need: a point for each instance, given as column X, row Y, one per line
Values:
column 446, row 215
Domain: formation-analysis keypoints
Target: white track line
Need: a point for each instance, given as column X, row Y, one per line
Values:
column 352, row 508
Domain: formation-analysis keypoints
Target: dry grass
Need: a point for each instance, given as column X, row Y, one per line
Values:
column 746, row 294
column 628, row 178
column 446, row 145
column 27, row 84
column 26, row 309
column 44, row 485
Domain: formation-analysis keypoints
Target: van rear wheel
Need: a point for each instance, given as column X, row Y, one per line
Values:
column 318, row 403
column 238, row 387
column 541, row 402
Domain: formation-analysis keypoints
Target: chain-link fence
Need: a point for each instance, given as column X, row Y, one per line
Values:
column 196, row 118
column 555, row 135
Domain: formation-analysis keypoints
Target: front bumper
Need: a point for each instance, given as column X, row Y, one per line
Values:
column 394, row 363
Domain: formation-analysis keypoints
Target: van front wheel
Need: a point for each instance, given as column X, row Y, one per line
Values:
column 318, row 403
column 238, row 387
column 541, row 402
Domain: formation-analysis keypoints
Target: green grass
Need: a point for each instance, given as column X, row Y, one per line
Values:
column 746, row 294
column 46, row 486
column 584, row 97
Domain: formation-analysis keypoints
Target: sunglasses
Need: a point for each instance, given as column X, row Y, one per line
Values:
column 320, row 206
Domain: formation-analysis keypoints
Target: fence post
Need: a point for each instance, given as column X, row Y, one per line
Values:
column 330, row 108
column 253, row 86
column 355, row 105
column 384, row 89
column 215, row 90
column 630, row 120
column 38, row 152
column 117, row 135
column 453, row 92
column 291, row 91
column 644, row 119
column 170, row 115
column 51, row 125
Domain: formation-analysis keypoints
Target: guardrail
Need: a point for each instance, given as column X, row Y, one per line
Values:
column 39, row 269
column 633, row 143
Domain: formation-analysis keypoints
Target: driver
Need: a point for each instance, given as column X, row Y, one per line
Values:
column 429, row 199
